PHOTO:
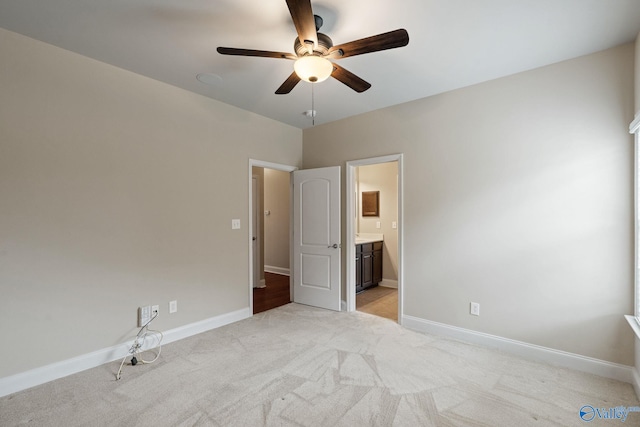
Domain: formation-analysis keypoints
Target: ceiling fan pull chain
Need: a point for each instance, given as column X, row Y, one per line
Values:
column 313, row 106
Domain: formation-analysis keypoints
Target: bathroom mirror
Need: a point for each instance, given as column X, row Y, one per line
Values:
column 370, row 203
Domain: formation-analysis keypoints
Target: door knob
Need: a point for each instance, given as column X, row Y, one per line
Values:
column 254, row 239
column 334, row 246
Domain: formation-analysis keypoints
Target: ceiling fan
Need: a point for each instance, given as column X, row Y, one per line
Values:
column 313, row 50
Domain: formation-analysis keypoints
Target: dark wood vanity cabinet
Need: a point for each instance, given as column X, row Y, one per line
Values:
column 377, row 262
column 368, row 265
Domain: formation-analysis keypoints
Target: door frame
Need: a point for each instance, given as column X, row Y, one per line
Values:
column 350, row 251
column 276, row 166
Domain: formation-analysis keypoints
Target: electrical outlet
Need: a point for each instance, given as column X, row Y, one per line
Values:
column 173, row 306
column 474, row 309
column 144, row 315
column 377, row 224
column 235, row 224
column 155, row 310
column 394, row 225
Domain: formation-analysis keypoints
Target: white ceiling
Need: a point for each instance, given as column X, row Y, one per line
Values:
column 453, row 43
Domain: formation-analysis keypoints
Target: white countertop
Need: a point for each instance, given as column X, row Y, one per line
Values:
column 362, row 238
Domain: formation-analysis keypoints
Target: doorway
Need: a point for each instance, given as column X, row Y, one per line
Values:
column 381, row 175
column 314, row 207
column 270, row 235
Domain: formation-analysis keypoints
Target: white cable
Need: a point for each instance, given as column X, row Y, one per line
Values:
column 134, row 350
column 118, row 375
column 159, row 346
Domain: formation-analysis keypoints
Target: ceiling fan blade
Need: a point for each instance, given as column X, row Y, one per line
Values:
column 350, row 79
column 384, row 41
column 302, row 16
column 253, row 52
column 288, row 84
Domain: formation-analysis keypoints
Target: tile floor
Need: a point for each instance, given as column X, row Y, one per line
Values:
column 380, row 301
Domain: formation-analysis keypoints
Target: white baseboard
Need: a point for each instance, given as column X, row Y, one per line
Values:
column 44, row 374
column 277, row 270
column 206, row 325
column 388, row 283
column 527, row 351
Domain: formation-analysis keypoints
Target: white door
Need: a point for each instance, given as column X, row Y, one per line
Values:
column 316, row 237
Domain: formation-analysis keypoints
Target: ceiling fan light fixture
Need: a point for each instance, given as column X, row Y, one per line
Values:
column 313, row 69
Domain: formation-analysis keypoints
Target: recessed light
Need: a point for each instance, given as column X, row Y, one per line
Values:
column 209, row 79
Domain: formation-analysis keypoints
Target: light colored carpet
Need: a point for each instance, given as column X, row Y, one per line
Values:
column 301, row 366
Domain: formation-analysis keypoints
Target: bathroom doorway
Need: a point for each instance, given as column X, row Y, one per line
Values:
column 379, row 229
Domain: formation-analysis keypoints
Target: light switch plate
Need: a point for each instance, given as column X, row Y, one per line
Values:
column 235, row 224
column 474, row 309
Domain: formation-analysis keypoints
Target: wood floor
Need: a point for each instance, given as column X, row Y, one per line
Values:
column 380, row 301
column 275, row 294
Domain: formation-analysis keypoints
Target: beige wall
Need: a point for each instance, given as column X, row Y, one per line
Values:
column 637, row 75
column 276, row 223
column 517, row 195
column 116, row 191
column 383, row 178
